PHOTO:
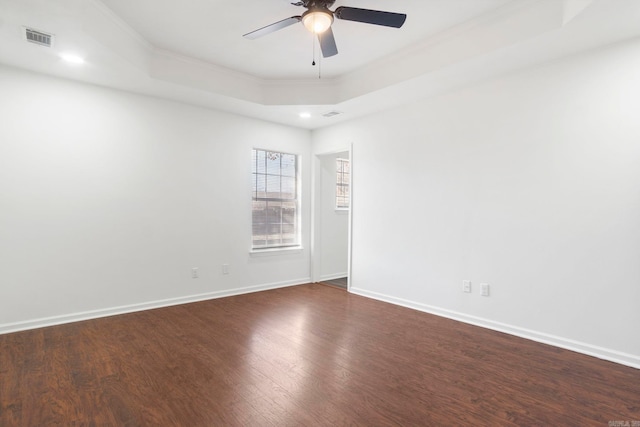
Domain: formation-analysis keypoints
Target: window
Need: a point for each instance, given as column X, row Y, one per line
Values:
column 275, row 199
column 342, row 183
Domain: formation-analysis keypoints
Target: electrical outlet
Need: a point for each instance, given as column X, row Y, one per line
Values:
column 225, row 268
column 484, row 289
column 194, row 273
column 466, row 286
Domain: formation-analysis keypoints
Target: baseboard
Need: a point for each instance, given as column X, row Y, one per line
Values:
column 333, row 276
column 95, row 314
column 568, row 344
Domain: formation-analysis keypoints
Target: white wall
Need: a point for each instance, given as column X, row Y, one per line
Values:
column 530, row 183
column 334, row 224
column 108, row 199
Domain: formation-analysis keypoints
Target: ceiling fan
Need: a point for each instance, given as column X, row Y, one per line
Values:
column 318, row 19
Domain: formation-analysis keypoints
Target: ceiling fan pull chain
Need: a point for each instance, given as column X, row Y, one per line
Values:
column 313, row 43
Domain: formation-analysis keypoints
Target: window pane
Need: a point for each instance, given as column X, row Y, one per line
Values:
column 261, row 159
column 259, row 186
column 273, row 163
column 289, row 222
column 254, row 159
column 289, row 212
column 274, row 223
column 288, row 187
column 342, row 183
column 273, row 186
column 259, row 220
column 341, row 179
column 288, row 165
column 275, row 201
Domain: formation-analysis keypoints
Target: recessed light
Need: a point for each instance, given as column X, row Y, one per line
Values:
column 72, row 58
column 305, row 115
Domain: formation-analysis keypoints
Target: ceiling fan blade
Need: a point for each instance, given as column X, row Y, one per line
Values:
column 368, row 16
column 328, row 43
column 273, row 27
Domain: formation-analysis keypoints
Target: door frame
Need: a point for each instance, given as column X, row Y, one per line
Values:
column 316, row 203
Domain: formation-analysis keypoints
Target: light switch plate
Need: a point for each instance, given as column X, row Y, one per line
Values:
column 484, row 289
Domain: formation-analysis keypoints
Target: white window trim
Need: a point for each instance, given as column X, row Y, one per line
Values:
column 285, row 250
column 292, row 249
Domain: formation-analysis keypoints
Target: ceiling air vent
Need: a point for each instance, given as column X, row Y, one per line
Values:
column 38, row 37
column 331, row 114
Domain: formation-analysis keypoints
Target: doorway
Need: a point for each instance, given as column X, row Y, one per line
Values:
column 332, row 218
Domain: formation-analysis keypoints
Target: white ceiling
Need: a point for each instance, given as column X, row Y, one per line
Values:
column 193, row 50
column 211, row 30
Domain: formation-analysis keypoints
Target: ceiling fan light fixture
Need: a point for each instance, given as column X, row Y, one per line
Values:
column 317, row 21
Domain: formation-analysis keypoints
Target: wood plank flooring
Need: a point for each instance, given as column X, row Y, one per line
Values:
column 306, row 355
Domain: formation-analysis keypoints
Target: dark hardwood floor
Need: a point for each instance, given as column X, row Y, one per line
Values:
column 306, row 355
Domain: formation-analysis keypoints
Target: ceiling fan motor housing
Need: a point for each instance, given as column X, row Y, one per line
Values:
column 317, row 4
column 318, row 19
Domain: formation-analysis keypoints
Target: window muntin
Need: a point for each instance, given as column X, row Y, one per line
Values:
column 343, row 172
column 275, row 198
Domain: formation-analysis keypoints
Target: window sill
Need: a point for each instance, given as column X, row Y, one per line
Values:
column 342, row 210
column 276, row 251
